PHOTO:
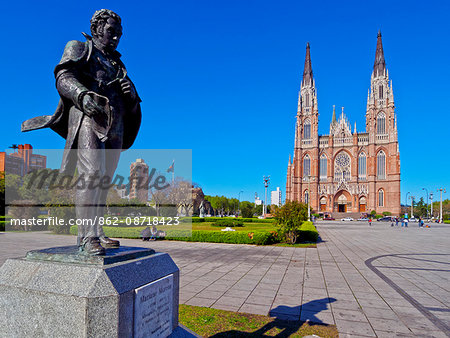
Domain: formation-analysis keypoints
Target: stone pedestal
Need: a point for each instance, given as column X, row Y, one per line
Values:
column 130, row 292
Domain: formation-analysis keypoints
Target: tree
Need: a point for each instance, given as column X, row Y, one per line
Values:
column 247, row 209
column 180, row 193
column 289, row 219
column 420, row 208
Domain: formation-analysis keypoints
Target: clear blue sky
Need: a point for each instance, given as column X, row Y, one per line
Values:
column 222, row 78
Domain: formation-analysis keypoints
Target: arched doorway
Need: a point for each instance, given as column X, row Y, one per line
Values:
column 362, row 204
column 323, row 204
column 342, row 201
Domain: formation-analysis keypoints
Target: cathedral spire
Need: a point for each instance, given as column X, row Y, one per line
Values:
column 379, row 67
column 307, row 71
column 333, row 119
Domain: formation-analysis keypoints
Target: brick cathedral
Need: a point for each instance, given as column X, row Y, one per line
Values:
column 344, row 171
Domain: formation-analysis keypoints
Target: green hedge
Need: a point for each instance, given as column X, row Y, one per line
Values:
column 308, row 232
column 3, row 225
column 231, row 237
column 231, row 223
column 447, row 222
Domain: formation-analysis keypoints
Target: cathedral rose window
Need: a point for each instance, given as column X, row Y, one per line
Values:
column 342, row 167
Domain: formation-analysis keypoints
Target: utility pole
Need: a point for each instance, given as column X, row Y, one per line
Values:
column 440, row 211
column 266, row 184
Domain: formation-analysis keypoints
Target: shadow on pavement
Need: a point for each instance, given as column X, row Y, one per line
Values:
column 286, row 319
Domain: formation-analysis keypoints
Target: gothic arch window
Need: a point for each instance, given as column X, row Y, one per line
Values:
column 380, row 91
column 307, row 100
column 342, row 167
column 306, row 196
column 381, row 165
column 381, row 198
column 381, row 123
column 307, row 129
column 362, row 166
column 306, row 166
column 323, row 167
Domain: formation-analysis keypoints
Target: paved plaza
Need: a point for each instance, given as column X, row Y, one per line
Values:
column 370, row 281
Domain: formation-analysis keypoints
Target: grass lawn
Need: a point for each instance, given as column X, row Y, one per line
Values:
column 246, row 227
column 209, row 322
column 297, row 245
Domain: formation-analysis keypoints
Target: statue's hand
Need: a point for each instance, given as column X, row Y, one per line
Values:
column 128, row 89
column 90, row 107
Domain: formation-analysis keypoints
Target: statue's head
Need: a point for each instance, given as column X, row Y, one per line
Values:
column 106, row 29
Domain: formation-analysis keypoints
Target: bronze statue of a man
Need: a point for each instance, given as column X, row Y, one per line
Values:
column 98, row 114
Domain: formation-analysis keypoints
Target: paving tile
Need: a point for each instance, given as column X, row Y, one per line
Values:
column 380, row 313
column 345, row 305
column 350, row 315
column 210, row 294
column 230, row 301
column 198, row 301
column 237, row 293
column 373, row 303
column 256, row 309
column 322, row 317
column 351, row 329
column 255, row 299
column 389, row 325
column 226, row 307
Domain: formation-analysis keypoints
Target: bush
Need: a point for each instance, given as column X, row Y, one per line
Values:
column 447, row 221
column 24, row 210
column 61, row 212
column 290, row 218
column 387, row 213
column 377, row 216
column 228, row 223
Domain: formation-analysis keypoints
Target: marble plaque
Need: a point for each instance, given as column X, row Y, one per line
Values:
column 153, row 308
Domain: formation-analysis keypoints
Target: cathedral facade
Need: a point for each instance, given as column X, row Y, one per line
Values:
column 344, row 171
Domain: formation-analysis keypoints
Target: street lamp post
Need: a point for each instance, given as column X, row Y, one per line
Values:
column 428, row 216
column 440, row 207
column 407, row 200
column 309, row 177
column 431, row 204
column 266, row 184
column 239, row 202
column 412, row 205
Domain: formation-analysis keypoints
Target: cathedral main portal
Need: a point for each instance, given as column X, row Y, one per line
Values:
column 342, row 201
